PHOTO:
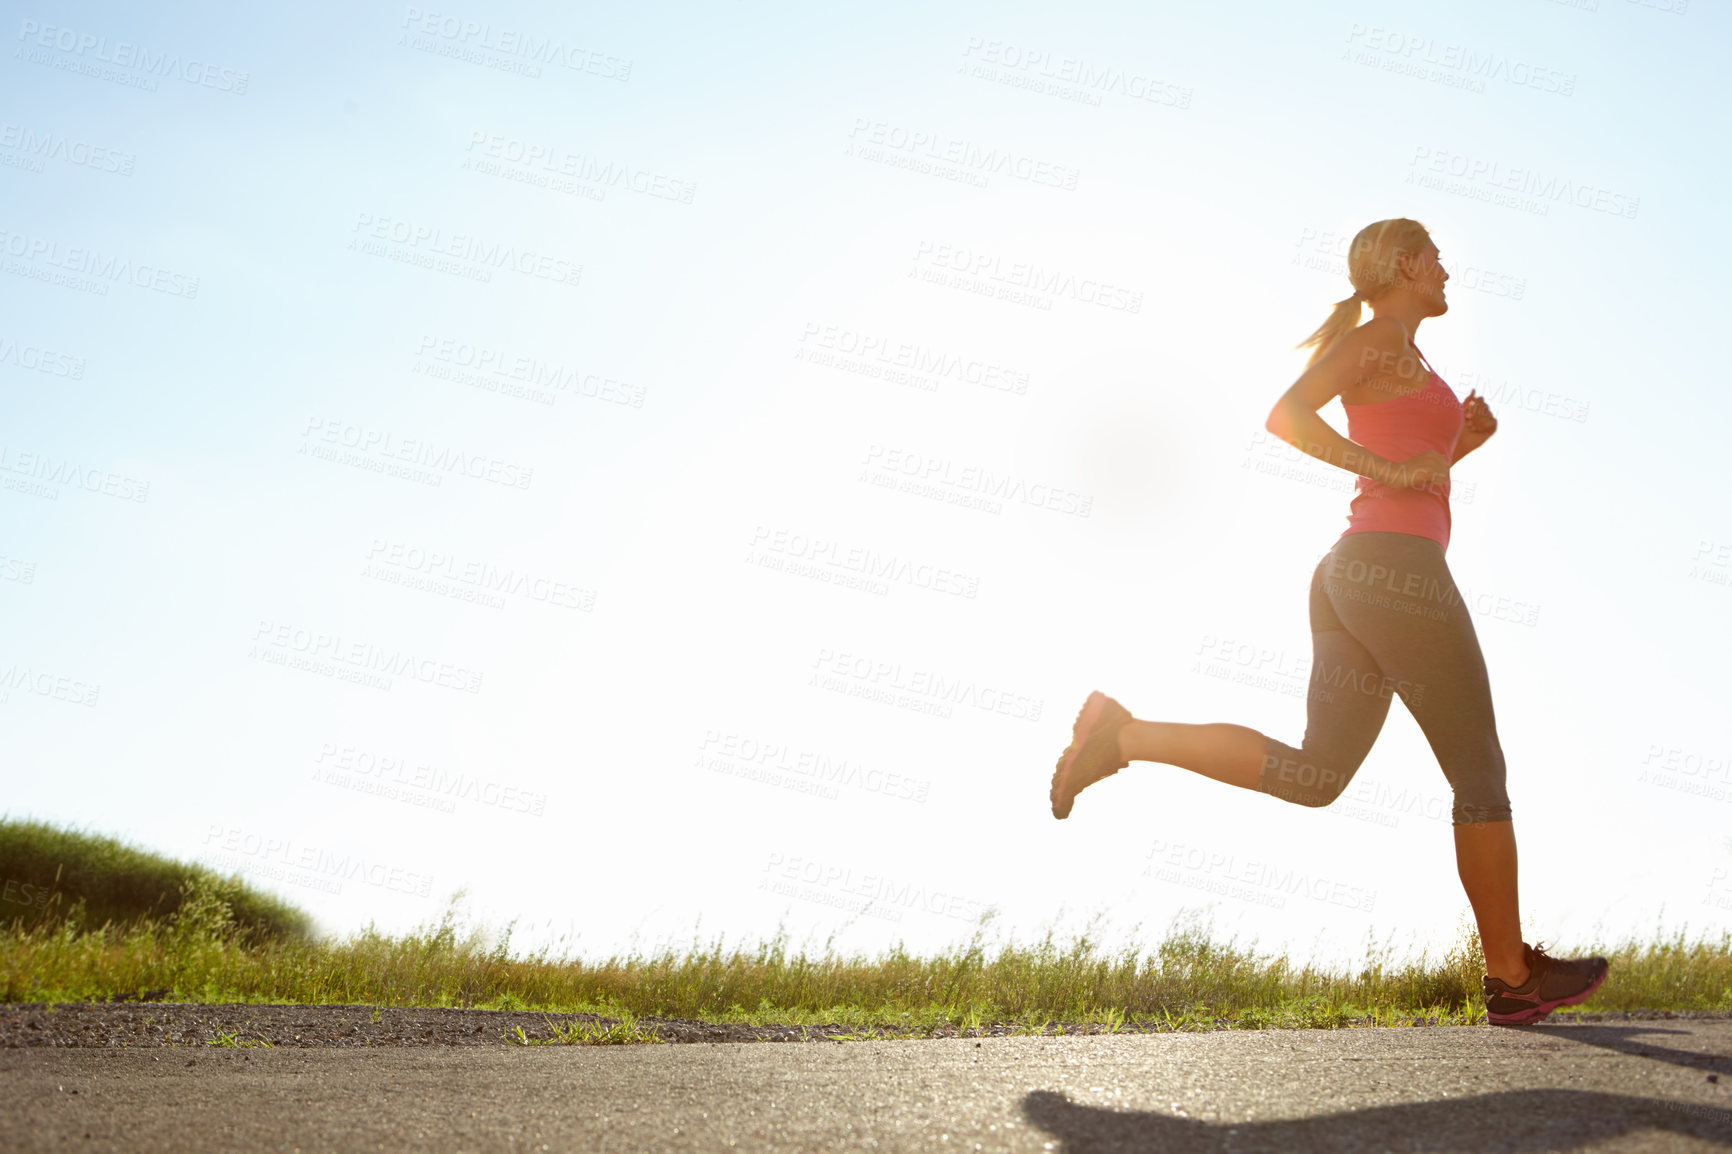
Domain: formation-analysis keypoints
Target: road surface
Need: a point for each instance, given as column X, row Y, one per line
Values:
column 1635, row 1086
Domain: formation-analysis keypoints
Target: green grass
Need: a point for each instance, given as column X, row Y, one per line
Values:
column 625, row 1031
column 231, row 1040
column 203, row 949
column 1186, row 981
column 88, row 880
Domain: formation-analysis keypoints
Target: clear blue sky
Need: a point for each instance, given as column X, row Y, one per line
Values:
column 580, row 455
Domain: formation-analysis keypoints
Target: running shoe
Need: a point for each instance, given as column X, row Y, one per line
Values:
column 1552, row 982
column 1093, row 752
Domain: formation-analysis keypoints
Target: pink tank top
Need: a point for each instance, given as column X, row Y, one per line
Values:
column 1428, row 418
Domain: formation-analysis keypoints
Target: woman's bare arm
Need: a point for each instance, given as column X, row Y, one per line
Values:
column 1295, row 418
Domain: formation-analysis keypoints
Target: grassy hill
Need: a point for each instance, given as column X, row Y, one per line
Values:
column 53, row 875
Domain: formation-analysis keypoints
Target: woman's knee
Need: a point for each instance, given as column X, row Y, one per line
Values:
column 1472, row 814
column 1479, row 800
column 1292, row 776
column 1478, row 784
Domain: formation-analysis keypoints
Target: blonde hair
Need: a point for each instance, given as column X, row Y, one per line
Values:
column 1373, row 268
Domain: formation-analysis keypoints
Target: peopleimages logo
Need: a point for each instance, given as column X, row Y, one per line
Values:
column 804, row 770
column 444, row 34
column 901, row 362
column 86, row 50
column 425, row 245
column 1458, row 64
column 49, row 471
column 882, row 141
column 986, row 269
column 90, row 262
column 1256, row 881
column 255, row 852
column 496, row 369
column 921, row 690
column 804, row 555
column 1069, row 77
column 23, row 679
column 483, row 577
column 25, row 894
column 954, row 482
column 874, row 888
column 401, row 778
column 37, row 147
column 322, row 438
column 1519, row 179
column 330, row 653
column 554, row 161
column 1704, row 775
column 37, row 359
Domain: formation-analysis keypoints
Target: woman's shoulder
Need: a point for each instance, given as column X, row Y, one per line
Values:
column 1382, row 360
column 1384, row 334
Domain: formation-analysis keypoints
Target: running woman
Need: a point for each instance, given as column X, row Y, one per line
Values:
column 1386, row 616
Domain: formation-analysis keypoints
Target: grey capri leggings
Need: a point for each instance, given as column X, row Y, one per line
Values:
column 1387, row 619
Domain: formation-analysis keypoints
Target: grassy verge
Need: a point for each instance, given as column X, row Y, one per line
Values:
column 103, row 919
column 1187, row 980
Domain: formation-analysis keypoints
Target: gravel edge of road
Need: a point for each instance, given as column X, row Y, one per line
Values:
column 102, row 1025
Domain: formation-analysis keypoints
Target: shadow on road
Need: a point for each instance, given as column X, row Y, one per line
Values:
column 1626, row 1040
column 1515, row 1122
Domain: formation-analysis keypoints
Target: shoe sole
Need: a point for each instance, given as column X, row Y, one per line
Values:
column 1536, row 1012
column 1085, row 723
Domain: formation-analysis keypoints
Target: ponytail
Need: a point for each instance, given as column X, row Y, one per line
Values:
column 1343, row 319
column 1373, row 268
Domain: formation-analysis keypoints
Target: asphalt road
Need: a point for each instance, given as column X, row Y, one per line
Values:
column 1663, row 1085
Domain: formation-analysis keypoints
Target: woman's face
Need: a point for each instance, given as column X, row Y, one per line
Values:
column 1426, row 277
